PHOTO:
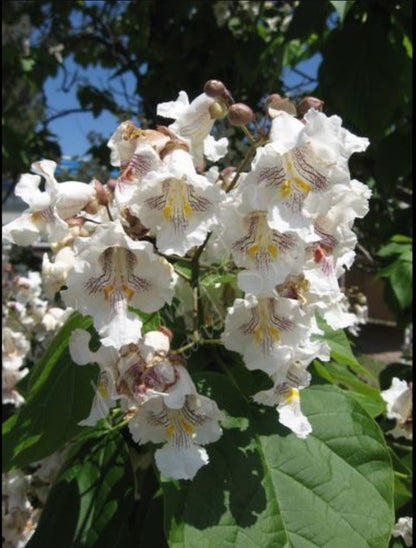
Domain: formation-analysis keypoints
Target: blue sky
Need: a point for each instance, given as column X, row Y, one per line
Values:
column 72, row 130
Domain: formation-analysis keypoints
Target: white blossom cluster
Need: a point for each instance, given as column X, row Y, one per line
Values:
column 23, row 498
column 28, row 321
column 285, row 224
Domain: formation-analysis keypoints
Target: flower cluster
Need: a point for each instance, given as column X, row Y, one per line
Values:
column 23, row 496
column 28, row 321
column 284, row 226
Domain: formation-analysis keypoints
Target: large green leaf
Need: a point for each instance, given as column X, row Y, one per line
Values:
column 265, row 488
column 60, row 396
column 89, row 504
column 340, row 347
column 366, row 395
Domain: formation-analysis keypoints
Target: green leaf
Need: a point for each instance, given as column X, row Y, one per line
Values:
column 401, row 282
column 340, row 347
column 366, row 395
column 265, row 488
column 89, row 504
column 151, row 321
column 60, row 395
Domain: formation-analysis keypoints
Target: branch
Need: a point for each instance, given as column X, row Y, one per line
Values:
column 65, row 113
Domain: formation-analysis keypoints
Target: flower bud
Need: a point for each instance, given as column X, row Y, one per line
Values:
column 214, row 89
column 111, row 184
column 275, row 102
column 240, row 114
column 309, row 102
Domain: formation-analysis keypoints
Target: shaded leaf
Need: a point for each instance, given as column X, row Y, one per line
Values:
column 266, row 488
column 60, row 396
column 90, row 502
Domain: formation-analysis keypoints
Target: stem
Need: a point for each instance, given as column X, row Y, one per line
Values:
column 212, row 341
column 247, row 158
column 182, row 275
column 109, row 212
column 183, row 348
column 120, row 425
column 248, row 133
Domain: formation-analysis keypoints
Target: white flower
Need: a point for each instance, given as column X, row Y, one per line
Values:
column 105, row 357
column 404, row 529
column 54, row 273
column 285, row 395
column 179, row 205
column 135, row 151
column 111, row 273
column 193, row 123
column 399, row 406
column 301, row 160
column 182, row 430
column 265, row 331
column 267, row 254
column 55, row 318
column 47, row 210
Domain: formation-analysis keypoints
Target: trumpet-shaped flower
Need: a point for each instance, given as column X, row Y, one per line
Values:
column 285, row 395
column 193, row 123
column 183, row 430
column 267, row 254
column 135, row 151
column 302, row 160
column 265, row 331
column 47, row 210
column 113, row 272
column 399, row 406
column 179, row 205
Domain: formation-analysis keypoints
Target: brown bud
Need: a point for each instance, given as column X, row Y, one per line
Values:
column 309, row 102
column 101, row 194
column 214, row 88
column 240, row 114
column 275, row 102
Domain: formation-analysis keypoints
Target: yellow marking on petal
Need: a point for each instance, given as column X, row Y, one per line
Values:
column 294, row 393
column 285, row 188
column 167, row 212
column 108, row 289
column 170, row 430
column 102, row 389
column 272, row 249
column 187, row 427
column 128, row 292
column 261, row 332
column 253, row 250
column 187, row 209
column 36, row 216
column 302, row 184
